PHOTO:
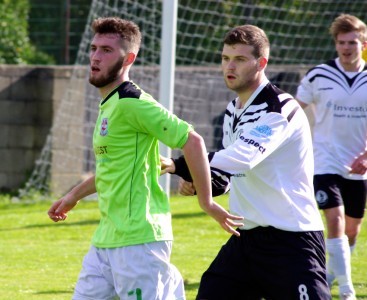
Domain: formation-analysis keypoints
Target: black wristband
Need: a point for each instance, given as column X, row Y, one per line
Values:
column 181, row 168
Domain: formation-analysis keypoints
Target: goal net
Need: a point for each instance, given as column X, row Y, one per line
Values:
column 298, row 33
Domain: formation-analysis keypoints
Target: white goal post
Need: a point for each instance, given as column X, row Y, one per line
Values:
column 167, row 74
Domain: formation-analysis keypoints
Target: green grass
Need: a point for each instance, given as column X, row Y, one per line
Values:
column 40, row 259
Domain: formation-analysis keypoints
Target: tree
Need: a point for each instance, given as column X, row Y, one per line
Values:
column 15, row 46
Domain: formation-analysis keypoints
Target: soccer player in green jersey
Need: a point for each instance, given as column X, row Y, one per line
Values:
column 131, row 247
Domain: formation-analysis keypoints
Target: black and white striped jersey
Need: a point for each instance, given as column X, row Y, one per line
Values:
column 340, row 113
column 268, row 151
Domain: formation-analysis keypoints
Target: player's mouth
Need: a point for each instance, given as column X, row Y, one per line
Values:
column 94, row 69
column 231, row 77
column 346, row 55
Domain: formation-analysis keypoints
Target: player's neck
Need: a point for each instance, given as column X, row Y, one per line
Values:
column 245, row 94
column 352, row 67
column 107, row 89
column 243, row 98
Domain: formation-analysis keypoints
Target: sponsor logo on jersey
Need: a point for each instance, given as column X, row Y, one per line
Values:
column 239, row 175
column 349, row 109
column 100, row 150
column 321, row 197
column 262, row 131
column 325, row 89
column 344, row 111
column 104, row 127
column 253, row 143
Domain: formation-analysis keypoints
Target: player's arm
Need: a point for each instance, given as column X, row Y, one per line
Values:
column 196, row 158
column 59, row 209
column 359, row 166
column 304, row 94
column 302, row 104
column 220, row 181
column 256, row 142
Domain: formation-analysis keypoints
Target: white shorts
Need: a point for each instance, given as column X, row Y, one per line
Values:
column 139, row 272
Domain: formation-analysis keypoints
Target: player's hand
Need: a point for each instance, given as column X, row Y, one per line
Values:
column 359, row 166
column 226, row 220
column 167, row 165
column 59, row 209
column 186, row 188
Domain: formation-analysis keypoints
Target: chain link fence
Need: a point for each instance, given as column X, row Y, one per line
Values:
column 56, row 27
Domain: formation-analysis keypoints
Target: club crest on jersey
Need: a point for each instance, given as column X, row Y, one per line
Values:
column 104, row 127
column 262, row 131
column 238, row 133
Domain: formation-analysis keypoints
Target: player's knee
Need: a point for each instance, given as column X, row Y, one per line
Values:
column 352, row 234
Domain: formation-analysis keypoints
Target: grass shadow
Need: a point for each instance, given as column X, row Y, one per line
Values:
column 62, row 224
column 53, row 292
column 191, row 286
column 188, row 215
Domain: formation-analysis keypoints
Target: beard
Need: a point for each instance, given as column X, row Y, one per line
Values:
column 112, row 74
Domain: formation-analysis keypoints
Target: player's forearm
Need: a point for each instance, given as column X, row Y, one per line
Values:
column 84, row 189
column 197, row 161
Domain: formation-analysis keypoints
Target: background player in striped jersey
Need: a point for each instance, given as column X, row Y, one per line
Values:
column 268, row 157
column 131, row 247
column 338, row 91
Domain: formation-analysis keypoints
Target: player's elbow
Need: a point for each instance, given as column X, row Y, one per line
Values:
column 194, row 142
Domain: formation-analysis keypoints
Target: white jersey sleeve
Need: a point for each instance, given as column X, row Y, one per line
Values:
column 305, row 91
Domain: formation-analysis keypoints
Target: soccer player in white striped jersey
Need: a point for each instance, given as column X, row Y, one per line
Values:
column 338, row 91
column 280, row 252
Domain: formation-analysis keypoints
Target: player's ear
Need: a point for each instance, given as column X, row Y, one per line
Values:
column 129, row 58
column 262, row 62
column 364, row 51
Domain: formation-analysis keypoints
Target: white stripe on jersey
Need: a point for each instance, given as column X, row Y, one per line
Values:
column 268, row 151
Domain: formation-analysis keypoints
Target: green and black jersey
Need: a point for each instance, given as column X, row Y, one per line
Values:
column 134, row 208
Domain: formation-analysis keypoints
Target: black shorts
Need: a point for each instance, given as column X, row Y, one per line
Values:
column 333, row 190
column 268, row 263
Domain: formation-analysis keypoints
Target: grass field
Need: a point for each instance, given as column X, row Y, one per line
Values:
column 40, row 259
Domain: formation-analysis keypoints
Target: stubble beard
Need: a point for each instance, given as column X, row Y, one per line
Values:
column 236, row 87
column 112, row 75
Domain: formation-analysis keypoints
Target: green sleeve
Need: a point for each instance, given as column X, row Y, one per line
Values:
column 150, row 117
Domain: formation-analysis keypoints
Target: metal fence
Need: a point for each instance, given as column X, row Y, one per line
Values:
column 56, row 27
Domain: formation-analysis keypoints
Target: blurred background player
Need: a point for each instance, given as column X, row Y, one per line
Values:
column 338, row 91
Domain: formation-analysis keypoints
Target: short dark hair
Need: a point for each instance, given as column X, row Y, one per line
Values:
column 249, row 35
column 347, row 23
column 127, row 30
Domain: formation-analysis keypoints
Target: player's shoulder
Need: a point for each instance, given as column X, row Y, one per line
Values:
column 277, row 101
column 273, row 96
column 131, row 94
column 327, row 66
column 128, row 89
